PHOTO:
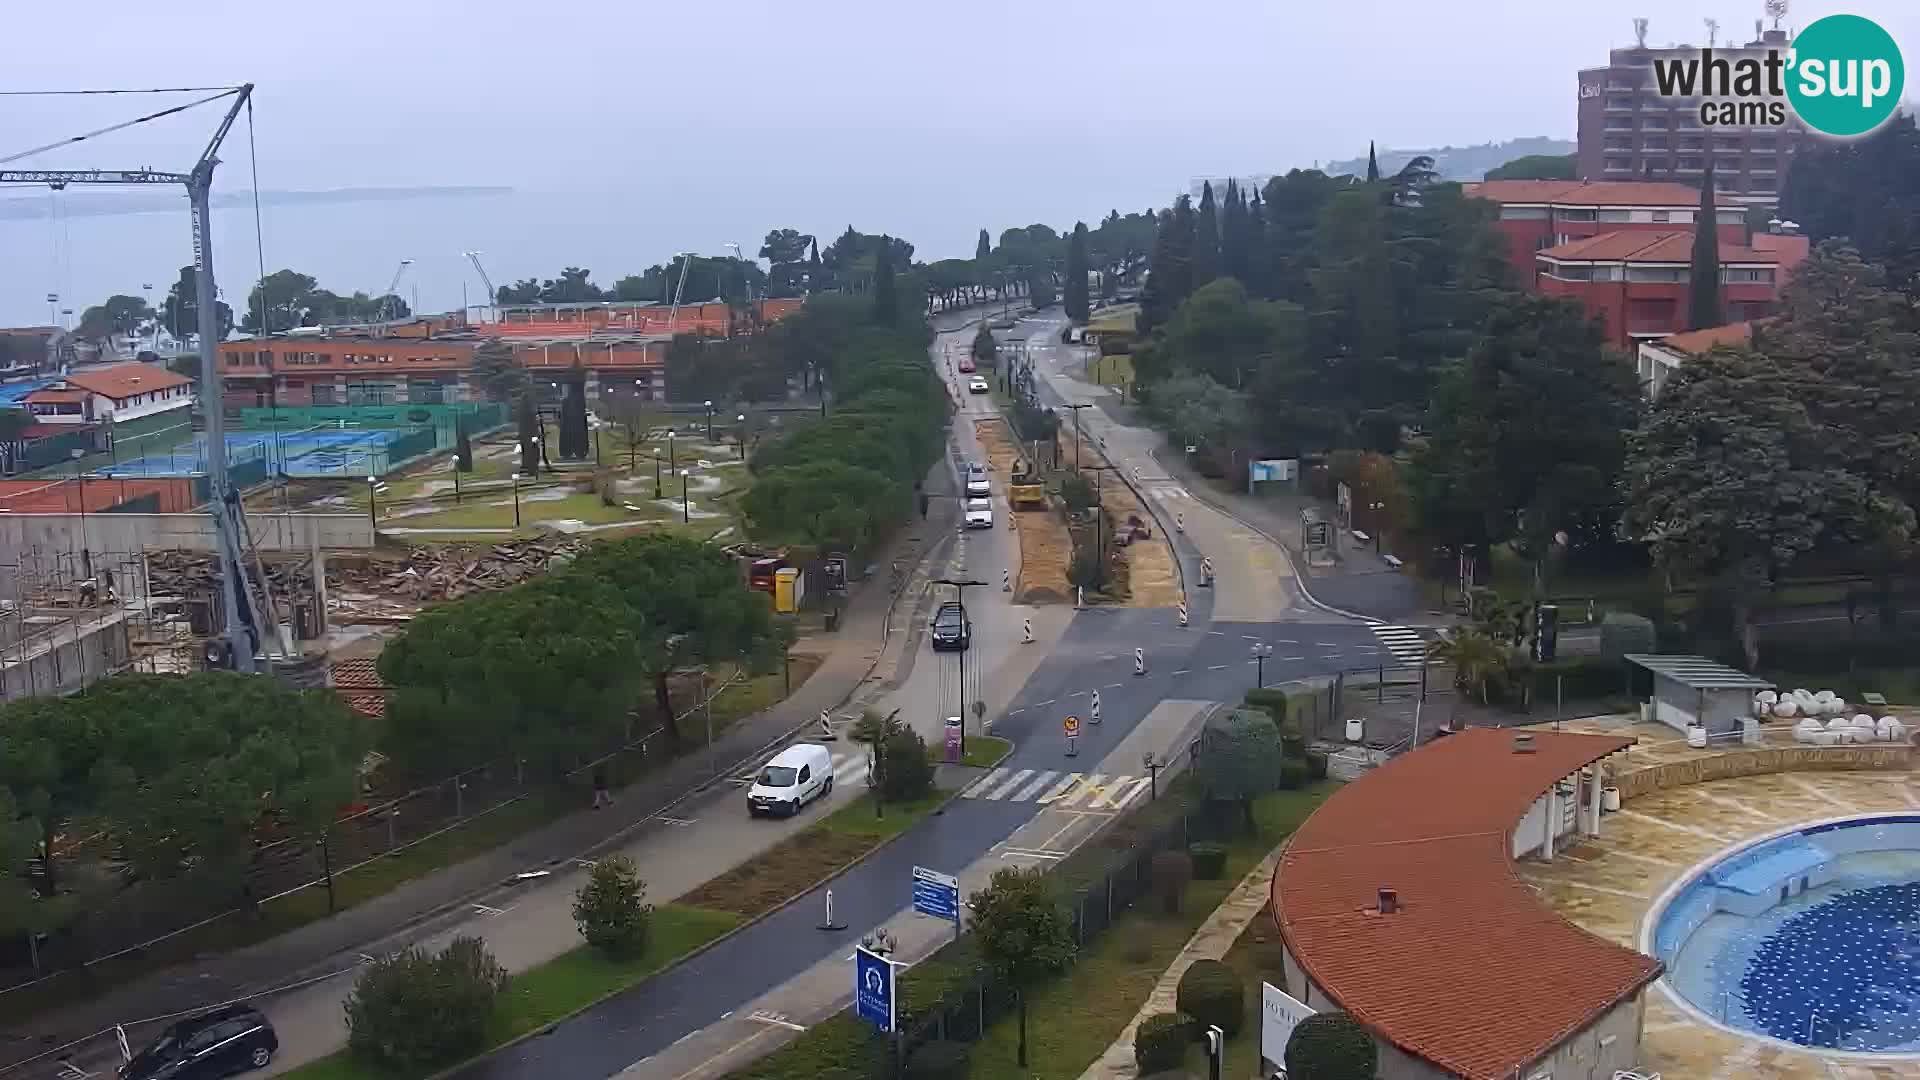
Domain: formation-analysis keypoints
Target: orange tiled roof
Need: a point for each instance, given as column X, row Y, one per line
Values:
column 1590, row 192
column 1472, row 972
column 368, row 703
column 1650, row 247
column 1699, row 341
column 357, row 675
column 53, row 395
column 123, row 381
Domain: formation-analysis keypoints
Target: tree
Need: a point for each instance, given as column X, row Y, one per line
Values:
column 1170, row 272
column 1257, row 252
column 786, row 253
column 575, row 439
column 1540, row 167
column 1241, row 759
column 414, row 1010
column 1703, row 289
column 1866, row 192
column 1024, row 933
column 497, row 368
column 1479, row 661
column 1729, row 480
column 181, row 310
column 462, row 445
column 528, row 428
column 1076, row 284
column 983, row 249
column 48, row 772
column 117, row 316
column 1234, row 262
column 610, row 908
column 908, row 774
column 886, row 307
column 824, row 503
column 1206, row 238
column 1373, row 165
column 816, row 274
column 985, row 350
column 1220, row 333
column 1331, row 1046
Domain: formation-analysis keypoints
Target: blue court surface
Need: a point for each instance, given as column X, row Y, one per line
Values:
column 11, row 393
column 304, row 453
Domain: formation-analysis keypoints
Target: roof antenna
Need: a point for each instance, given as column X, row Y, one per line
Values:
column 1640, row 33
column 1778, row 10
column 1713, row 32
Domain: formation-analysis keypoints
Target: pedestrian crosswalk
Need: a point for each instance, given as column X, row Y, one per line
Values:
column 1404, row 642
column 1058, row 790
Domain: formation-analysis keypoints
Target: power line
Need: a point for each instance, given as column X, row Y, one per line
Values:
column 116, row 127
column 77, row 93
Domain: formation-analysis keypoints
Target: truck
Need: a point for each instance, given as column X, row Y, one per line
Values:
column 1025, row 491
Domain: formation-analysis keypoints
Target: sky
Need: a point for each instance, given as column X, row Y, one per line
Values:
column 689, row 126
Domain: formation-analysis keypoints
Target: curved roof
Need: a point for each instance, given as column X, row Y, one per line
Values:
column 1472, row 972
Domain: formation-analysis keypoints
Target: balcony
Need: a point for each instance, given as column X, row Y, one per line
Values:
column 1621, row 104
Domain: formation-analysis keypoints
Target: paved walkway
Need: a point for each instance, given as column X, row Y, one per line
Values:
column 1243, row 905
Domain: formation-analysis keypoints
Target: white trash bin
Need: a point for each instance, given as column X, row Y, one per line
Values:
column 1356, row 729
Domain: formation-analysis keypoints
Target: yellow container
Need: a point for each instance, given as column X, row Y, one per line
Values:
column 789, row 588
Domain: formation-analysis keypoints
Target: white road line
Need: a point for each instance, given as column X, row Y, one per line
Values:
column 1031, row 853
column 485, row 910
column 1060, row 788
column 1045, row 778
column 974, row 789
column 1216, row 667
column 851, row 771
column 1104, row 801
column 1133, row 792
column 1114, row 686
column 1184, row 671
column 776, row 1020
column 1293, row 658
column 1003, row 790
column 1049, row 701
column 1089, row 786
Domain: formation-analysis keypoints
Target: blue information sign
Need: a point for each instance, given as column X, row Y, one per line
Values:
column 936, row 894
column 873, row 988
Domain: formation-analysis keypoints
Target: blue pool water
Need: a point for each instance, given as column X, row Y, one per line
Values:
column 1812, row 938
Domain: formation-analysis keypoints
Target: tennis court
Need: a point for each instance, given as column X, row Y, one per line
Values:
column 368, row 452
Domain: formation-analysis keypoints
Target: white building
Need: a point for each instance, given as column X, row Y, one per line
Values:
column 114, row 394
column 1660, row 358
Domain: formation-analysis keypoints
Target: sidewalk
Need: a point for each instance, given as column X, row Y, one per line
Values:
column 335, row 943
column 1360, row 581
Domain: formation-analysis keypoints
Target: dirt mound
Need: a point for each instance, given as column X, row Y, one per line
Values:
column 1046, row 548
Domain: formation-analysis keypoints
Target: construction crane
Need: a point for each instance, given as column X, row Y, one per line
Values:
column 387, row 298
column 673, row 313
column 241, row 628
column 493, row 297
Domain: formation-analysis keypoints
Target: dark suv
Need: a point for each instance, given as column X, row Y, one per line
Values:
column 228, row 1040
column 952, row 631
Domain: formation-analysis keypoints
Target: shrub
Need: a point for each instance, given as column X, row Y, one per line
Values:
column 1316, row 765
column 1086, row 570
column 1076, row 491
column 1294, row 774
column 1171, row 872
column 1622, row 633
column 416, row 1009
column 1274, row 702
column 1293, row 742
column 1136, row 950
column 940, row 1060
column 906, row 774
column 1209, row 860
column 1161, row 1041
column 610, row 909
column 1331, row 1046
column 1211, row 993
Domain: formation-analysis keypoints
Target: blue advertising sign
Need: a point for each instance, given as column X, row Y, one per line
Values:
column 936, row 894
column 873, row 988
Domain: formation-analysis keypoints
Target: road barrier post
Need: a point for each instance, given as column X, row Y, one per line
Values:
column 1026, row 631
column 826, row 727
column 1006, row 581
column 1139, row 661
column 830, row 923
column 1183, row 613
column 1094, row 713
column 1179, row 521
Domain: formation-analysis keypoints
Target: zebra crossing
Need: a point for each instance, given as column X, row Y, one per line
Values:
column 1406, row 643
column 1058, row 790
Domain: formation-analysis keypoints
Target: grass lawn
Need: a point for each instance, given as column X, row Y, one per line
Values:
column 1072, row 1021
column 979, row 751
column 494, row 510
column 803, row 860
column 564, row 985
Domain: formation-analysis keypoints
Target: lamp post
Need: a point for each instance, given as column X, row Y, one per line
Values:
column 741, row 422
column 686, row 505
column 960, row 587
column 516, row 500
column 1153, row 766
column 1260, row 653
column 671, row 465
column 1076, row 433
column 373, row 503
column 709, row 406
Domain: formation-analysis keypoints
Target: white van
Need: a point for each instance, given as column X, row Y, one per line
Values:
column 795, row 777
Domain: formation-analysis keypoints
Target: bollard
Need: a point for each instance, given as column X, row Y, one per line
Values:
column 1094, row 714
column 1026, row 631
column 1179, row 521
column 1079, row 596
column 1006, row 581
column 826, row 727
column 1183, row 613
column 1206, row 572
column 1139, row 661
column 829, row 923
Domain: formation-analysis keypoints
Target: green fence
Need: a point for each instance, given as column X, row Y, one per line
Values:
column 480, row 415
column 55, row 449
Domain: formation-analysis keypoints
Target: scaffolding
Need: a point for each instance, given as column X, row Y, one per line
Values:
column 68, row 619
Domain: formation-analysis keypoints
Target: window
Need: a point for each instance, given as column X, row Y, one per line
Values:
column 1577, row 215
column 1523, row 213
column 1620, row 103
column 1691, row 164
column 1747, row 275
column 1661, row 215
column 1571, row 273
column 1615, row 164
column 1608, row 273
column 1655, row 274
column 1619, row 123
column 323, row 394
column 1690, row 142
column 1616, row 215
column 1654, row 142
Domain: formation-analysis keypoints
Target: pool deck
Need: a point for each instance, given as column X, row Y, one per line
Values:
column 1679, row 815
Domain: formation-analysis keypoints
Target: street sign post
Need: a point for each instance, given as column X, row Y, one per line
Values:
column 873, row 988
column 1072, row 728
column 938, row 895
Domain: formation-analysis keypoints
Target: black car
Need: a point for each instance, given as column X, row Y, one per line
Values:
column 952, row 631
column 228, row 1040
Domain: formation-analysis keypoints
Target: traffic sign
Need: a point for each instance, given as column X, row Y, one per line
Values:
column 1072, row 726
column 936, row 894
column 873, row 988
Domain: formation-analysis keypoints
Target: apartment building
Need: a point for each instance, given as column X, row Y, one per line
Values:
column 1539, row 214
column 1636, row 284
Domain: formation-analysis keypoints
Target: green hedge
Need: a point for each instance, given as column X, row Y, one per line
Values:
column 1294, row 774
column 1274, row 701
column 1211, row 993
column 1209, row 860
column 1579, row 677
column 1161, row 1042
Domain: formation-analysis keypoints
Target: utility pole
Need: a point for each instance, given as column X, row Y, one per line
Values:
column 1076, row 433
column 960, row 587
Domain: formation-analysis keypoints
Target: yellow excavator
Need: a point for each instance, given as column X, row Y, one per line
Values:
column 1025, row 490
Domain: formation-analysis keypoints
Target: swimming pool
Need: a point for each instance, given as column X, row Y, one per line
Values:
column 1810, row 936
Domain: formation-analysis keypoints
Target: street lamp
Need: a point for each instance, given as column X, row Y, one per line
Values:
column 741, row 420
column 1260, row 653
column 1076, row 433
column 686, row 505
column 1153, row 766
column 373, row 503
column 709, row 406
column 516, row 500
column 960, row 587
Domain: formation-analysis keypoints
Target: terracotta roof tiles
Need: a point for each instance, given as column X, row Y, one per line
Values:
column 1695, row 342
column 1649, row 247
column 123, row 381
column 1590, row 192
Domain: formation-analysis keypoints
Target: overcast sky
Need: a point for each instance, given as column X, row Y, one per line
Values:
column 929, row 120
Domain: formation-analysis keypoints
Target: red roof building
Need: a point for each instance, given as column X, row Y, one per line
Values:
column 1398, row 902
column 1636, row 283
column 115, row 394
column 1539, row 214
column 1659, row 360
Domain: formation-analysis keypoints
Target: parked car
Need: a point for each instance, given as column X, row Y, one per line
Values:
column 952, row 631
column 978, row 386
column 795, row 777
column 965, row 365
column 979, row 514
column 228, row 1040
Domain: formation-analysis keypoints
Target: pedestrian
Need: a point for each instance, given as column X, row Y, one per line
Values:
column 601, row 796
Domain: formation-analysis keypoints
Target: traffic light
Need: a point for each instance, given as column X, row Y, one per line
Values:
column 1546, row 632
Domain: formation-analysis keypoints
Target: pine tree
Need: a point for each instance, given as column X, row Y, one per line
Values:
column 1233, row 234
column 885, row 305
column 1373, row 165
column 1074, row 292
column 1206, row 239
column 1703, row 295
column 814, row 280
column 462, row 445
column 984, row 249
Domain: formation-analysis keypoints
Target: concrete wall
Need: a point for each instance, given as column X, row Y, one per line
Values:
column 72, row 655
column 1638, row 782
column 111, row 534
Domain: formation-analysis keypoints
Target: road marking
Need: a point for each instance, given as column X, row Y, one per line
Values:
column 1329, row 644
column 1248, row 637
column 1133, row 792
column 1293, row 658
column 680, row 821
column 776, row 1019
column 1031, row 853
column 485, row 910
column 854, row 769
column 1039, row 782
column 1089, row 785
column 1062, row 788
column 1216, row 633
column 1049, row 701
column 1015, row 712
column 973, row 790
column 1005, row 789
column 1285, row 641
column 1113, row 686
column 1184, row 671
column 1216, row 667
column 69, row 1069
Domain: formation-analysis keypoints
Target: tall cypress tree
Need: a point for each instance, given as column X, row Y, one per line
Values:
column 1233, row 234
column 462, row 445
column 1074, row 293
column 1373, row 165
column 1259, row 259
column 1703, row 293
column 885, row 305
column 814, row 279
column 984, row 248
column 1206, row 239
